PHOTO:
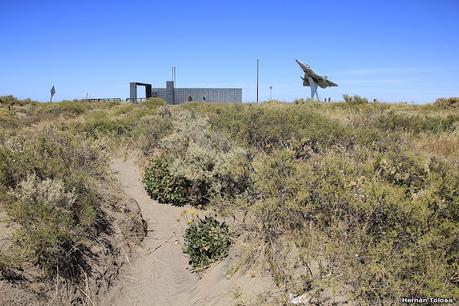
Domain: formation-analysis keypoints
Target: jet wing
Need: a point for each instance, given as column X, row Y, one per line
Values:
column 323, row 80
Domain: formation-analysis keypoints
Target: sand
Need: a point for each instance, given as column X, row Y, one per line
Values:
column 159, row 273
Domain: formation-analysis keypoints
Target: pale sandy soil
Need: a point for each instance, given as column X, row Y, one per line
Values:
column 159, row 273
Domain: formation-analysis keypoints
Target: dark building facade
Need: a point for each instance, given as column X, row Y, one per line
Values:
column 174, row 95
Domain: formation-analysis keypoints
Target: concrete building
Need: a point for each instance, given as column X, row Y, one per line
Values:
column 174, row 95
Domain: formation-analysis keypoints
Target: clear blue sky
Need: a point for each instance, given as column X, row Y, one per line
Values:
column 390, row 50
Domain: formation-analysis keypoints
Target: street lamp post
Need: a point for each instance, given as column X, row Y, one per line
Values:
column 270, row 92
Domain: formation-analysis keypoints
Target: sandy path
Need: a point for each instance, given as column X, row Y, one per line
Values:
column 159, row 274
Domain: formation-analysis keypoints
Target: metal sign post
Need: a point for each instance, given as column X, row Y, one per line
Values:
column 53, row 92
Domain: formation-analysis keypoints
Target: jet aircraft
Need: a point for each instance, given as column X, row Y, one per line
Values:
column 314, row 80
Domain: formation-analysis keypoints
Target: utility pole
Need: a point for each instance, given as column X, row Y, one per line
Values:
column 270, row 92
column 258, row 64
column 173, row 79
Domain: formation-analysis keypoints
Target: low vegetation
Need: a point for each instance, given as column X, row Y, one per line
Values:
column 358, row 200
column 206, row 240
column 350, row 187
column 50, row 176
column 59, row 199
column 195, row 164
column 355, row 99
column 452, row 102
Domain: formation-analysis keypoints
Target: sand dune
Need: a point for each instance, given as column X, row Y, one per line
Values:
column 159, row 274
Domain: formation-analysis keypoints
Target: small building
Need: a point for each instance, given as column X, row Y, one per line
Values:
column 174, row 95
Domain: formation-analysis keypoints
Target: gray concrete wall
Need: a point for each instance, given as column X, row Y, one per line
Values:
column 229, row 95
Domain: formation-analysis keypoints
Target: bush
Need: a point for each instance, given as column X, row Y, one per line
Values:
column 275, row 126
column 7, row 119
column 162, row 186
column 12, row 100
column 67, row 107
column 152, row 128
column 52, row 176
column 299, row 101
column 452, row 102
column 50, row 152
column 154, row 102
column 8, row 100
column 206, row 241
column 355, row 99
column 49, row 232
column 100, row 123
column 278, row 178
column 397, row 121
column 401, row 170
column 203, row 163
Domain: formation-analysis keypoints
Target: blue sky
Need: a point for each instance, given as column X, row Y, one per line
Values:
column 389, row 50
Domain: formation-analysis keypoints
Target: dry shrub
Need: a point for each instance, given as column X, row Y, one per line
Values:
column 444, row 144
column 49, row 234
column 381, row 215
column 446, row 103
column 389, row 238
column 355, row 99
column 196, row 163
column 152, row 128
column 154, row 102
column 51, row 175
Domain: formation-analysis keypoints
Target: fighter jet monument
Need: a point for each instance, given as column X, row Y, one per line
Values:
column 314, row 80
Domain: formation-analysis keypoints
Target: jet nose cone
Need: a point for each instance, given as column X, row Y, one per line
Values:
column 303, row 66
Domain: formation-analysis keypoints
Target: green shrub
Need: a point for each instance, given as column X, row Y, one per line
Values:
column 52, row 175
column 299, row 101
column 397, row 121
column 446, row 103
column 172, row 181
column 12, row 100
column 276, row 126
column 8, row 100
column 206, row 240
column 207, row 160
column 68, row 107
column 154, row 102
column 50, row 152
column 100, row 123
column 152, row 128
column 355, row 99
column 49, row 231
column 401, row 170
column 7, row 119
column 278, row 179
column 162, row 186
column 388, row 238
